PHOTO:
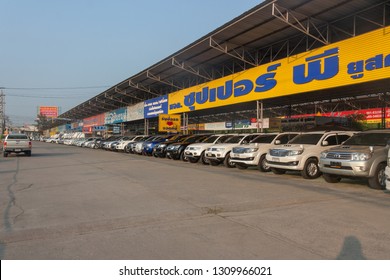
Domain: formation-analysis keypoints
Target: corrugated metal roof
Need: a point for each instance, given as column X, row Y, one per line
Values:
column 253, row 38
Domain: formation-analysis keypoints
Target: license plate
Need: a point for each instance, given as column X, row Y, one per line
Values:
column 335, row 164
column 18, row 150
column 275, row 159
column 209, row 154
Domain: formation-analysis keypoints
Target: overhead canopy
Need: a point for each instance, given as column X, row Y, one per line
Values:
column 272, row 30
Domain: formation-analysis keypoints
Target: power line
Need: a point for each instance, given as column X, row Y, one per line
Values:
column 53, row 88
column 55, row 97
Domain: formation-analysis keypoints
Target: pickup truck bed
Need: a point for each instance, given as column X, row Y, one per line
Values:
column 16, row 143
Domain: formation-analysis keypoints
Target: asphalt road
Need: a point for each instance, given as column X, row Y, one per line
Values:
column 75, row 203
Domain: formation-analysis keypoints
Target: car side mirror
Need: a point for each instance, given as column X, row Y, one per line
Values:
column 277, row 142
column 244, row 142
column 325, row 143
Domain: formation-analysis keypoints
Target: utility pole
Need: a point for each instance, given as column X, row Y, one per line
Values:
column 2, row 112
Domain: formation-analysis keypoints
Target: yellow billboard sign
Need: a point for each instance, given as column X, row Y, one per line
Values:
column 360, row 59
column 169, row 123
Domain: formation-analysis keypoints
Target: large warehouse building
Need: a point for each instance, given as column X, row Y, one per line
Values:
column 282, row 58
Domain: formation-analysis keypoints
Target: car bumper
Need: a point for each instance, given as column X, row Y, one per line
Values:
column 192, row 154
column 345, row 168
column 287, row 163
column 248, row 159
column 214, row 156
column 17, row 150
column 174, row 154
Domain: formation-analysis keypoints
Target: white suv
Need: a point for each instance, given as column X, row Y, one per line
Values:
column 219, row 153
column 253, row 154
column 196, row 151
column 123, row 143
column 303, row 152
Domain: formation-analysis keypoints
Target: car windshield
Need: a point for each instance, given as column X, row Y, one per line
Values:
column 16, row 136
column 234, row 139
column 195, row 139
column 368, row 139
column 307, row 138
column 211, row 139
column 264, row 139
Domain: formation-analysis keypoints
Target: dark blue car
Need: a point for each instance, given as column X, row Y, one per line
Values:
column 147, row 147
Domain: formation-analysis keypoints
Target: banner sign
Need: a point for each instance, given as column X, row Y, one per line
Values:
column 156, row 106
column 334, row 65
column 216, row 126
column 372, row 115
column 135, row 112
column 116, row 116
column 94, row 121
column 48, row 111
column 169, row 123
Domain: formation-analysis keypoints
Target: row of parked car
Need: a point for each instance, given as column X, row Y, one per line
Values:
column 332, row 154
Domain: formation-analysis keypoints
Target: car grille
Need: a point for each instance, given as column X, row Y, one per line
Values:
column 278, row 153
column 345, row 156
column 239, row 150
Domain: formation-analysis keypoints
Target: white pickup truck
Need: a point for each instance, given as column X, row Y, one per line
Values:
column 17, row 143
column 303, row 152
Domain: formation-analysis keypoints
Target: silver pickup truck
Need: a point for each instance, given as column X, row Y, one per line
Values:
column 17, row 143
column 364, row 155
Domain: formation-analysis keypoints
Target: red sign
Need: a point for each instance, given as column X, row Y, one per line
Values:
column 48, row 111
column 371, row 114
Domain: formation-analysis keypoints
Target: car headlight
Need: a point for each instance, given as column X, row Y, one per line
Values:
column 361, row 156
column 162, row 145
column 220, row 149
column 149, row 145
column 251, row 150
column 294, row 152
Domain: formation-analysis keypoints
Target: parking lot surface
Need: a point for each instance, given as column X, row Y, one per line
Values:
column 75, row 203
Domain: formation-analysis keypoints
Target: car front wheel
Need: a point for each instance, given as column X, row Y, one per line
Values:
column 311, row 169
column 228, row 163
column 263, row 165
column 378, row 181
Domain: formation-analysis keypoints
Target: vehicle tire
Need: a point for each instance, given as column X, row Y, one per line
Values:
column 311, row 169
column 227, row 162
column 263, row 165
column 193, row 160
column 378, row 181
column 204, row 160
column 5, row 154
column 241, row 166
column 126, row 149
column 331, row 178
column 183, row 157
column 278, row 171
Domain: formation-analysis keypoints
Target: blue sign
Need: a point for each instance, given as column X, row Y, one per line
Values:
column 100, row 128
column 156, row 106
column 228, row 124
column 116, row 116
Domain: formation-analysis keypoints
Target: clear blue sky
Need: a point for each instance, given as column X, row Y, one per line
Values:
column 93, row 43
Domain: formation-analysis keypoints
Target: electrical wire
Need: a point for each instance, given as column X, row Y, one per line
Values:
column 54, row 88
